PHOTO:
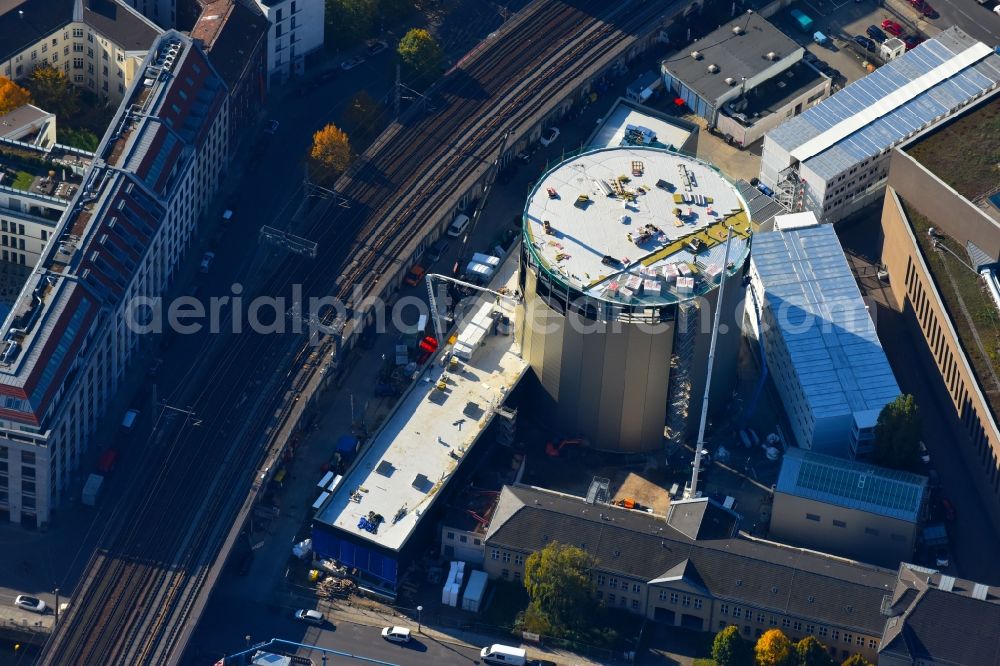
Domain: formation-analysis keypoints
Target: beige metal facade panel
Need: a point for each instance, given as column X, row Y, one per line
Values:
column 951, row 212
column 606, row 382
column 865, row 536
column 914, row 290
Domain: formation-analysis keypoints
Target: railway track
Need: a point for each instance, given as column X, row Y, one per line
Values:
column 160, row 541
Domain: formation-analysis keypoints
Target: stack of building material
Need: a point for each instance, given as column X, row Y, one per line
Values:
column 474, row 591
column 453, row 584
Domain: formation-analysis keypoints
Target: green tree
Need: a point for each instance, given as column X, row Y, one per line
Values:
column 729, row 648
column 78, row 138
column 53, row 91
column 774, row 649
column 558, row 583
column 897, row 434
column 12, row 96
column 348, row 22
column 856, row 660
column 811, row 652
column 421, row 54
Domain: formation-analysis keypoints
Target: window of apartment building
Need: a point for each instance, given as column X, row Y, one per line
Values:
column 612, row 599
column 45, row 48
column 277, row 16
column 834, row 634
column 635, row 604
column 28, row 502
column 785, row 623
column 685, row 600
column 506, row 557
column 871, row 531
column 519, row 560
column 636, row 588
column 601, row 579
column 812, row 516
column 27, row 457
column 78, row 64
column 860, row 641
column 27, row 472
column 697, row 603
column 839, row 523
column 872, row 643
column 761, row 618
column 477, row 542
column 90, row 52
column 463, row 539
column 897, row 537
column 847, row 638
column 104, row 54
column 105, row 70
column 292, row 25
column 663, row 595
column 451, row 536
column 673, row 597
column 28, row 486
column 613, row 583
column 810, row 629
column 34, row 55
column 55, row 57
column 737, row 612
column 623, row 601
column 495, row 554
column 277, row 31
column 293, row 7
column 277, row 49
column 797, row 626
column 18, row 71
column 120, row 57
column 78, row 78
column 90, row 37
column 724, row 609
column 773, row 621
column 505, row 573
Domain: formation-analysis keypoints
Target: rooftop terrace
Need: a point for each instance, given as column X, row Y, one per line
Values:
column 635, row 225
column 418, row 449
column 56, row 174
column 964, row 153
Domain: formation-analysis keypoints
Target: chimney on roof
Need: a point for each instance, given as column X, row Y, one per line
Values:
column 696, row 55
column 712, row 69
column 737, row 30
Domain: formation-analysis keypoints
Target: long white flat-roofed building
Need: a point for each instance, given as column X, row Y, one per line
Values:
column 623, row 248
column 834, row 158
column 820, row 346
column 369, row 520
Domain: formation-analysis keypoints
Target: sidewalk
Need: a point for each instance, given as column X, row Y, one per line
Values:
column 374, row 618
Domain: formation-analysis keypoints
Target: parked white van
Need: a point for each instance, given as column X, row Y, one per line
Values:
column 504, row 654
column 458, row 225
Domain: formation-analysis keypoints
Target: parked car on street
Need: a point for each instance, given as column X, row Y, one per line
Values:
column 925, row 456
column 911, row 41
column 396, row 634
column 24, row 602
column 310, row 616
column 549, row 136
column 876, row 33
column 436, row 250
column 351, row 63
column 941, row 557
column 376, row 46
column 892, row 27
column 415, row 275
column 864, row 42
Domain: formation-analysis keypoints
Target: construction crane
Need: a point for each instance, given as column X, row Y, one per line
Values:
column 487, row 187
column 692, row 492
column 432, row 301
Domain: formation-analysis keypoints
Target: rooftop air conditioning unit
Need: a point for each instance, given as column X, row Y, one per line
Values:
column 730, row 81
column 737, row 30
column 712, row 69
column 771, row 55
column 696, row 55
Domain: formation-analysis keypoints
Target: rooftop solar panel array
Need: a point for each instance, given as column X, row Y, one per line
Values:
column 852, row 484
column 934, row 103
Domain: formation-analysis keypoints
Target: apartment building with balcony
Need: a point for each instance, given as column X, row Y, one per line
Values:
column 99, row 44
column 66, row 342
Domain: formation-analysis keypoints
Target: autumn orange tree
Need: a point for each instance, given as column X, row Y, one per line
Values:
column 331, row 149
column 52, row 90
column 12, row 96
column 774, row 649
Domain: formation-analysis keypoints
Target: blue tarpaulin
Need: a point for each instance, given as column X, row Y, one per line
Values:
column 347, row 444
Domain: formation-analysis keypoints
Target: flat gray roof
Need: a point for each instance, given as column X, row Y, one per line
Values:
column 852, row 484
column 737, row 56
column 421, row 445
column 824, row 323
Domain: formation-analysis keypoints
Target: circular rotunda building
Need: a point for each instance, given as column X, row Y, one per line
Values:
column 622, row 256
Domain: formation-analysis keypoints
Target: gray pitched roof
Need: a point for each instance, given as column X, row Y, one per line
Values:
column 737, row 56
column 643, row 546
column 939, row 619
column 121, row 24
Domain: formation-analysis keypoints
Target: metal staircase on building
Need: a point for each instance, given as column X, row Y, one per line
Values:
column 790, row 189
column 679, row 390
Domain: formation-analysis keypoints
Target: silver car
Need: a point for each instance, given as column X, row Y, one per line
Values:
column 32, row 604
column 310, row 616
